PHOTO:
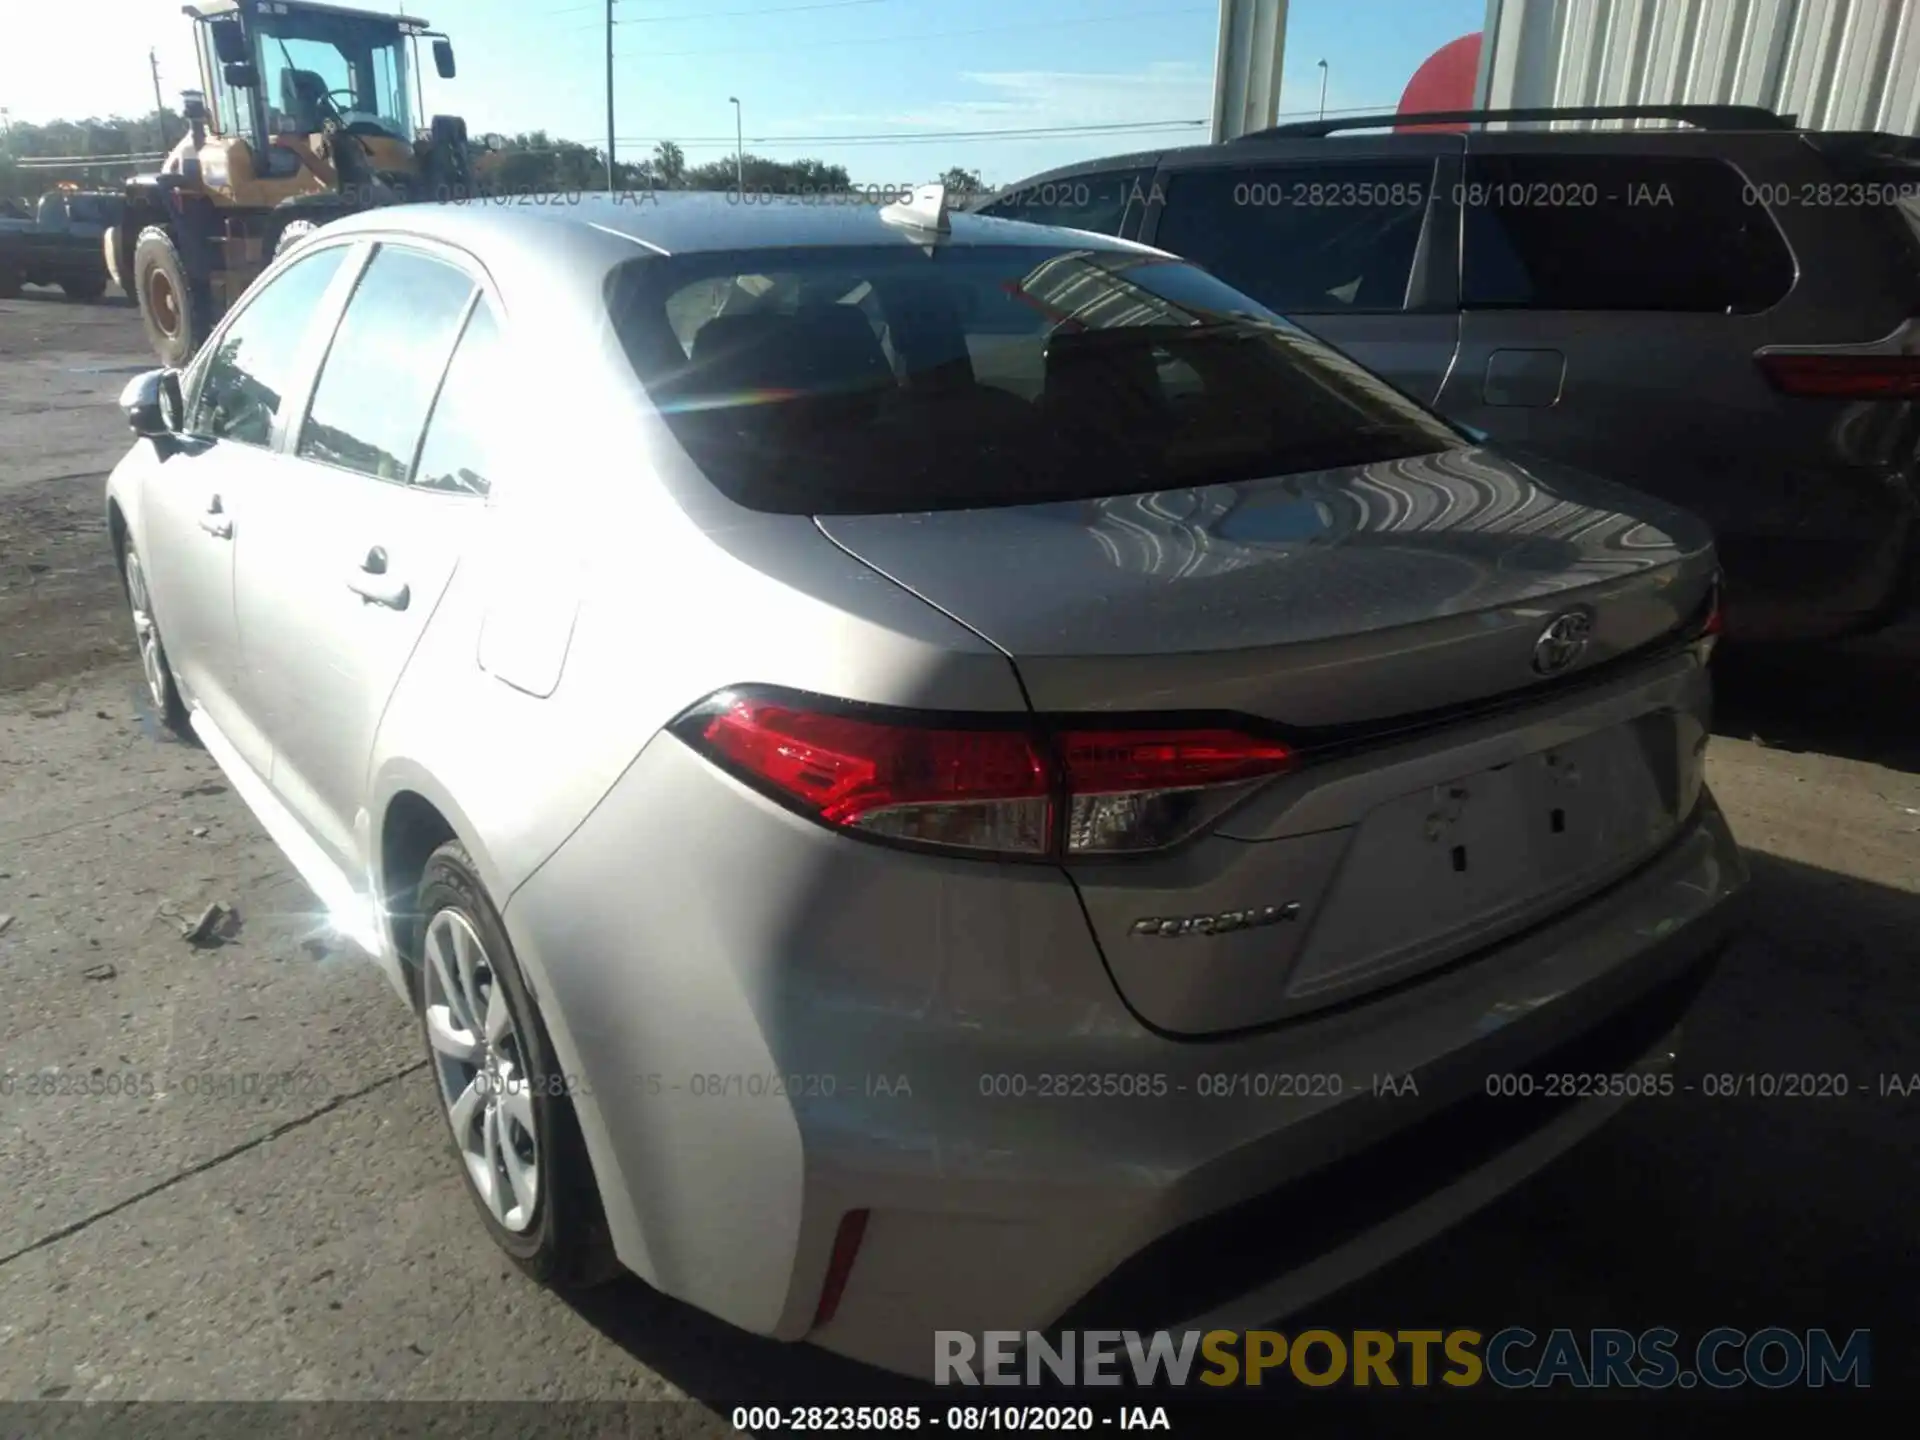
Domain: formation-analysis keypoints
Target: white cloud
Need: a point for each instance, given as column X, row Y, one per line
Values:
column 1036, row 99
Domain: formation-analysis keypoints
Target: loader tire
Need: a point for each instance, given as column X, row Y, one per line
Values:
column 176, row 312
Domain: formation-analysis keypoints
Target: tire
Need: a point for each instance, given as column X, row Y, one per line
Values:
column 110, row 252
column 292, row 234
column 162, row 689
column 186, row 311
column 560, row 1239
column 89, row 287
column 10, row 283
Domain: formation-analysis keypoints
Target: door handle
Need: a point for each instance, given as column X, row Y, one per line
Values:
column 215, row 521
column 371, row 582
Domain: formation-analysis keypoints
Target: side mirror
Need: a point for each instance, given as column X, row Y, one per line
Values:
column 153, row 405
column 493, row 141
column 240, row 74
column 229, row 42
column 443, row 58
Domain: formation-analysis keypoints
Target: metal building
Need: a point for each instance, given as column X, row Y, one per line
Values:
column 1837, row 64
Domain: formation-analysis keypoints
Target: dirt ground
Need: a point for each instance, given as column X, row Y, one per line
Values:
column 309, row 1239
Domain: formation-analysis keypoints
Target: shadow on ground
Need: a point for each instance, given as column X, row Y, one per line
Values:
column 1696, row 1211
column 1858, row 701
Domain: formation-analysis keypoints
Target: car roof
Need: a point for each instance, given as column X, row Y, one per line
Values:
column 692, row 222
column 1382, row 139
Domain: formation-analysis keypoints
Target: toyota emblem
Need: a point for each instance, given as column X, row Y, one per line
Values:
column 1562, row 642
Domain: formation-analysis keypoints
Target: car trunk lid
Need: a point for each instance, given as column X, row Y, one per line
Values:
column 1394, row 621
column 1331, row 599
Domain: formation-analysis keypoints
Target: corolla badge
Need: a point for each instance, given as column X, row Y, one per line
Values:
column 1220, row 924
column 1564, row 641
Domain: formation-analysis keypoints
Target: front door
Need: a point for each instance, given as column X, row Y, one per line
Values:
column 202, row 505
column 359, row 541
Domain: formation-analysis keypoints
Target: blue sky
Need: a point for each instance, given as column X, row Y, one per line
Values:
column 805, row 70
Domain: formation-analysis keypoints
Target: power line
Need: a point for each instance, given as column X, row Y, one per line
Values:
column 914, row 39
column 763, row 10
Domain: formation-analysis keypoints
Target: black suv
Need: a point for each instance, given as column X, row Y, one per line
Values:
column 1723, row 310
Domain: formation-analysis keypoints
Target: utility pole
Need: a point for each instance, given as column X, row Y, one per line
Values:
column 609, row 97
column 159, row 104
column 739, row 151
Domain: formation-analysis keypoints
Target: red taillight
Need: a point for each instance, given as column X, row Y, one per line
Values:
column 846, row 1248
column 989, row 790
column 1840, row 376
column 968, row 789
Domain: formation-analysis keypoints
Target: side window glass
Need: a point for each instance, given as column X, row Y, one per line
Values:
column 385, row 363
column 239, row 390
column 1607, row 232
column 1303, row 240
column 454, row 455
column 1099, row 202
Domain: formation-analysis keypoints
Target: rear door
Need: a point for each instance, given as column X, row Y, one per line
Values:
column 366, row 521
column 1612, row 302
column 1345, row 237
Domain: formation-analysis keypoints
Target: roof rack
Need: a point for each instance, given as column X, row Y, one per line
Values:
column 1705, row 117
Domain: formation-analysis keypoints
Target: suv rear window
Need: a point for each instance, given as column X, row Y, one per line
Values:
column 884, row 379
column 1618, row 232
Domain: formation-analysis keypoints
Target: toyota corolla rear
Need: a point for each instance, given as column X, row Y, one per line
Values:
column 1321, row 769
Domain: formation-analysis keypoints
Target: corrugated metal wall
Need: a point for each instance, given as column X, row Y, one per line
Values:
column 1837, row 64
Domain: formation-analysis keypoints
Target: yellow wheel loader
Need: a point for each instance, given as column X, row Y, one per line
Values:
column 307, row 113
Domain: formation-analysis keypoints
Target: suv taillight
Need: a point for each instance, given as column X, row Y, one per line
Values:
column 1842, row 376
column 1008, row 790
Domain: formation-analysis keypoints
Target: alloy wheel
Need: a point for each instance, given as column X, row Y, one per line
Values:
column 153, row 660
column 480, row 1063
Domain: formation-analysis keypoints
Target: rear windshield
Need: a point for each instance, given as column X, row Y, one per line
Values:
column 885, row 379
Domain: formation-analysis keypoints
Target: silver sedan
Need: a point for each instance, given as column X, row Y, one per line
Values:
column 923, row 773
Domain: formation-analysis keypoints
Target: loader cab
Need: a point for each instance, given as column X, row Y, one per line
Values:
column 282, row 68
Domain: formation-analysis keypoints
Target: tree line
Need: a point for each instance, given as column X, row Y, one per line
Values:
column 531, row 161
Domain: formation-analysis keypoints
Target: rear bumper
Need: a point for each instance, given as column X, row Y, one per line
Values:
column 1315, row 1200
column 771, row 1027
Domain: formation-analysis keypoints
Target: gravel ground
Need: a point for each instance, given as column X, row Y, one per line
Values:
column 310, row 1240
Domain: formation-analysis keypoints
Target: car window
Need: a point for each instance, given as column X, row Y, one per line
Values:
column 1617, row 232
column 864, row 380
column 1098, row 202
column 385, row 363
column 454, row 455
column 1303, row 240
column 238, row 392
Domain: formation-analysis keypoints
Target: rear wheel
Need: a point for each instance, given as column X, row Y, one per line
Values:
column 10, row 283
column 84, row 287
column 505, row 1098
column 175, row 311
column 154, row 666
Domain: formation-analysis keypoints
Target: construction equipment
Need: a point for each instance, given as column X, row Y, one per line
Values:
column 306, row 114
